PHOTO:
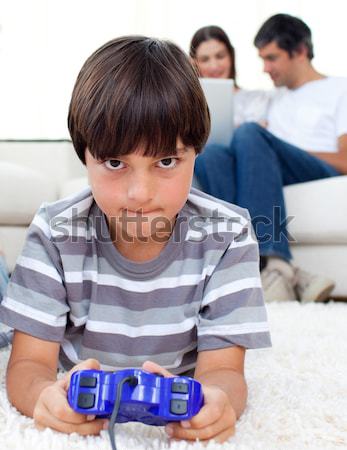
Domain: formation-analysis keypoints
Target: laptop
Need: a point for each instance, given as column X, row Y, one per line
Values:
column 219, row 93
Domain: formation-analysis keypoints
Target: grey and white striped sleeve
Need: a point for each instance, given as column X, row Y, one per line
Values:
column 35, row 301
column 232, row 310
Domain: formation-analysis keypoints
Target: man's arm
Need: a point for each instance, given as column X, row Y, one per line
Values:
column 338, row 159
column 224, row 368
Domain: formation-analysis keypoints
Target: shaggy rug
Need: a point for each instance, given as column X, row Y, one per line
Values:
column 297, row 394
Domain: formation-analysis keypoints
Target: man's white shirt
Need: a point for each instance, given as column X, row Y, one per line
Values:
column 311, row 117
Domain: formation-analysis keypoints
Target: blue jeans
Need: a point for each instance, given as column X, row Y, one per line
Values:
column 3, row 277
column 251, row 173
column 5, row 336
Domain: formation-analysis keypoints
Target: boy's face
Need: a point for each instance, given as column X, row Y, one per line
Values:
column 139, row 195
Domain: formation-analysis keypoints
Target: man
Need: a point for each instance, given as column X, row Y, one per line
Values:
column 304, row 139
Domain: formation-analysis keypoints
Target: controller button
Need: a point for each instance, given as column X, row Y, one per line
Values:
column 179, row 388
column 178, row 407
column 88, row 382
column 85, row 401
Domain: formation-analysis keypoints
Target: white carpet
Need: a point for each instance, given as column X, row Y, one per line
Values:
column 297, row 394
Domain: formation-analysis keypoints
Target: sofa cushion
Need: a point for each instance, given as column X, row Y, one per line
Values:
column 22, row 192
column 73, row 186
column 319, row 211
column 12, row 239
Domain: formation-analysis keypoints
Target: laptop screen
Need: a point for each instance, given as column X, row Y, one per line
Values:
column 219, row 93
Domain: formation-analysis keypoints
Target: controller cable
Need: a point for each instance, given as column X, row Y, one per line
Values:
column 133, row 381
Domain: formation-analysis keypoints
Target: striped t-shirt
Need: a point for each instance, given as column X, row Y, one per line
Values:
column 202, row 292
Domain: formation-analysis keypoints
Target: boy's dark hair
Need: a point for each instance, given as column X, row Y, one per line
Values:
column 214, row 32
column 289, row 33
column 137, row 91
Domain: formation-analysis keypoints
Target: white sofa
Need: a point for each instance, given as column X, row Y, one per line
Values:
column 32, row 172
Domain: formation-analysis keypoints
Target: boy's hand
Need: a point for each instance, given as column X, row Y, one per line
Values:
column 52, row 409
column 216, row 419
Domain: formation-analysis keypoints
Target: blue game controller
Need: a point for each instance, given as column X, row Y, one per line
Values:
column 144, row 397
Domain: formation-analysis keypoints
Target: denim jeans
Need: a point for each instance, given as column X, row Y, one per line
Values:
column 251, row 173
column 3, row 277
column 5, row 333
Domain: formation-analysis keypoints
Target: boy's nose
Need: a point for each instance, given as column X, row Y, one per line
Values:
column 140, row 189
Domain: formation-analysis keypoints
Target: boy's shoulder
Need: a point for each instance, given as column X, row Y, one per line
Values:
column 207, row 207
column 209, row 217
column 69, row 207
column 65, row 216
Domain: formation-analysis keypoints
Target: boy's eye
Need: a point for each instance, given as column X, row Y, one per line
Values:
column 114, row 164
column 167, row 163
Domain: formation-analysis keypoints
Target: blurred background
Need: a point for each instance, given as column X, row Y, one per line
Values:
column 43, row 44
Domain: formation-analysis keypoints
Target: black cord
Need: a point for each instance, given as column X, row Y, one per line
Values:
column 133, row 382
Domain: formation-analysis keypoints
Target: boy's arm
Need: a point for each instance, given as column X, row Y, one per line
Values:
column 33, row 388
column 31, row 368
column 225, row 393
column 224, row 368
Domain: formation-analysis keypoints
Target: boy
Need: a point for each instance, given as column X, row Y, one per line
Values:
column 137, row 271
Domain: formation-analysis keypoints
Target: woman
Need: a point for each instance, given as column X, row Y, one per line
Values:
column 214, row 57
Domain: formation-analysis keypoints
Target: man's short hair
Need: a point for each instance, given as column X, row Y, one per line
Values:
column 289, row 32
column 137, row 91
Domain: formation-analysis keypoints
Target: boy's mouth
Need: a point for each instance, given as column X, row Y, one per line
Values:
column 139, row 212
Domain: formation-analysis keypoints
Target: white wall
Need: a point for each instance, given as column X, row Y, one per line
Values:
column 43, row 44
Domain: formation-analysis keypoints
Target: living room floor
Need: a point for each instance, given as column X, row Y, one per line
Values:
column 297, row 394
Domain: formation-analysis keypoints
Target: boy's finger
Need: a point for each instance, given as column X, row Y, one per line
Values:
column 84, row 365
column 63, row 383
column 221, row 437
column 58, row 406
column 86, row 428
column 211, row 431
column 153, row 367
column 68, row 415
column 93, row 427
column 207, row 415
